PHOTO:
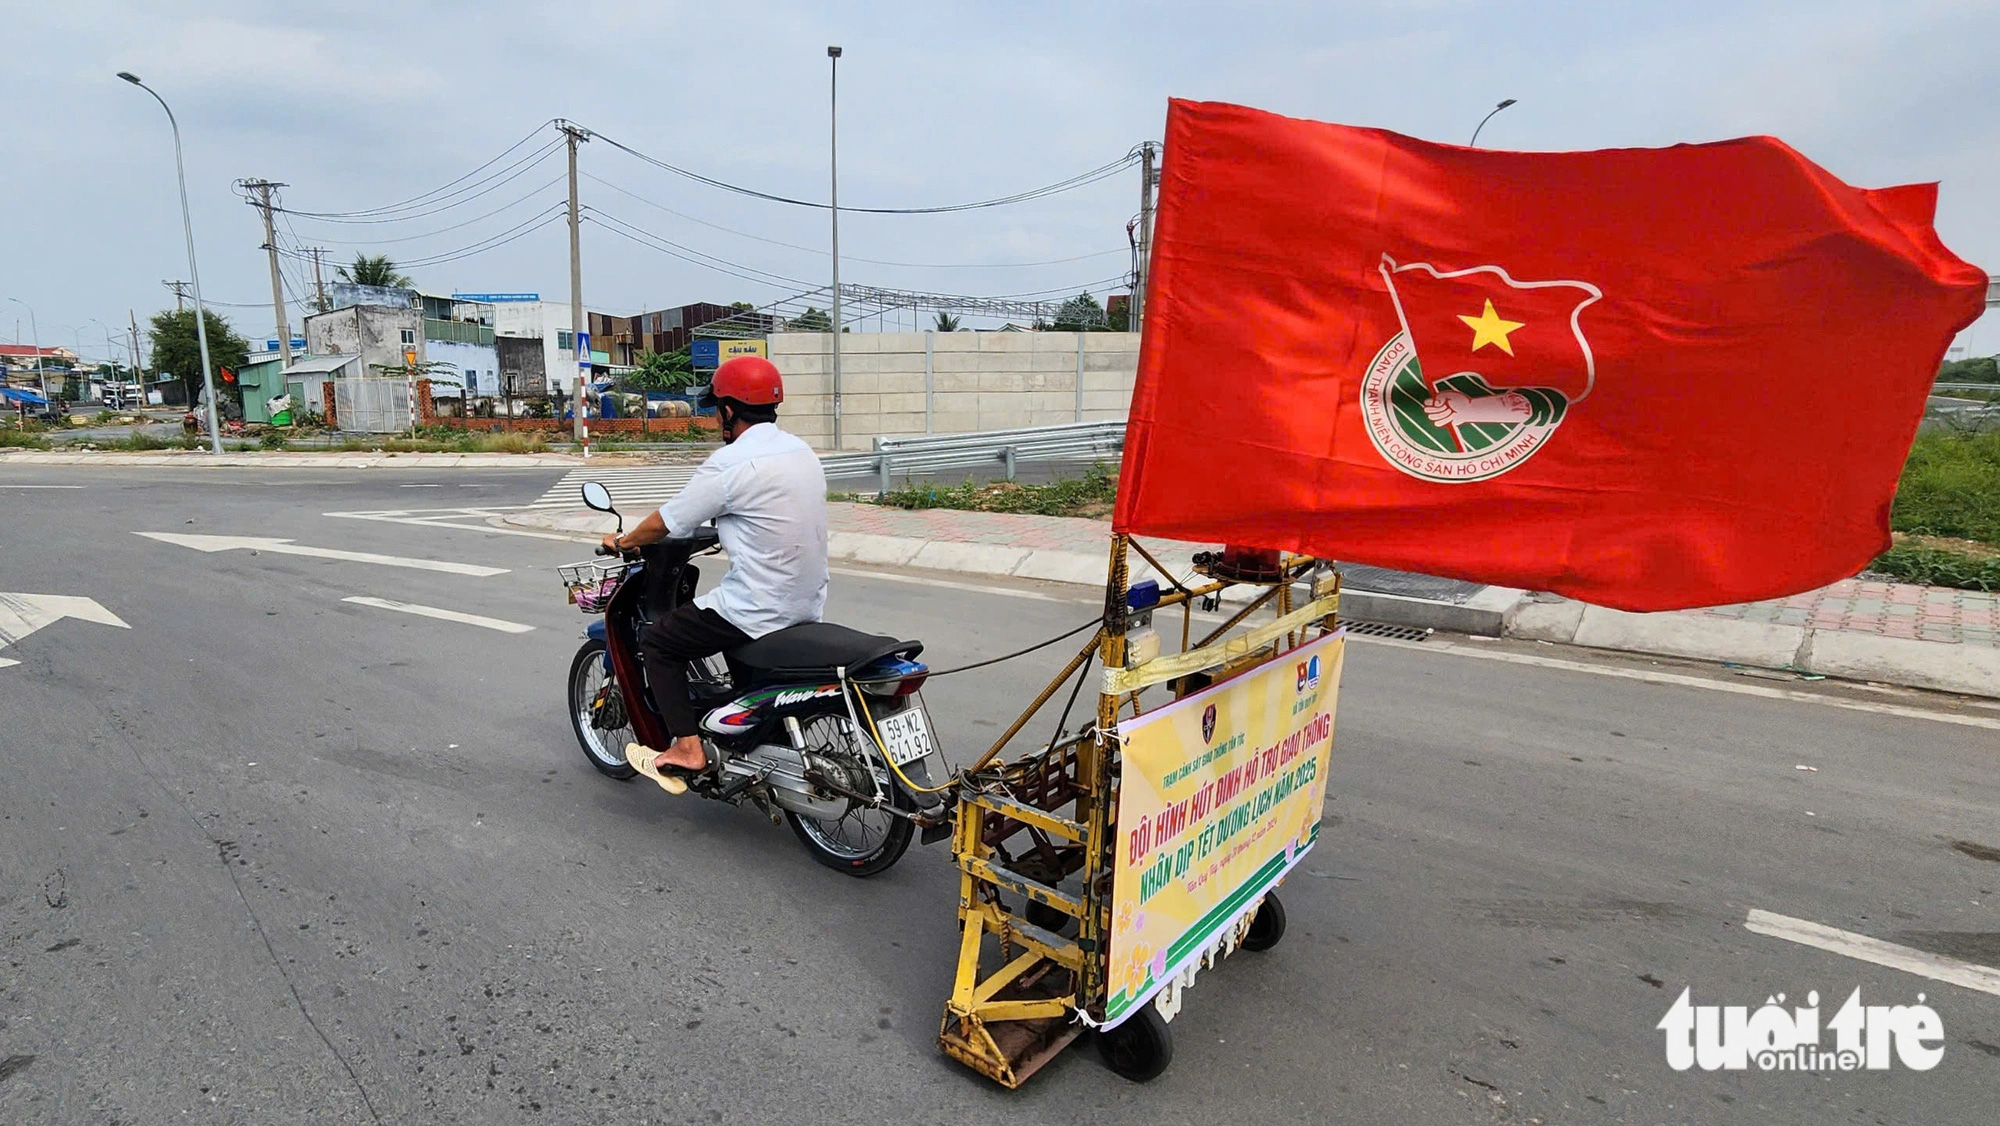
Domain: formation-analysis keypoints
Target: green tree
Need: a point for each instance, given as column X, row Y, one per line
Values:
column 945, row 322
column 1978, row 369
column 374, row 269
column 664, row 371
column 812, row 320
column 176, row 349
column 1081, row 313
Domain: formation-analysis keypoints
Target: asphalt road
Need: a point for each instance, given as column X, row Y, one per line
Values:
column 271, row 856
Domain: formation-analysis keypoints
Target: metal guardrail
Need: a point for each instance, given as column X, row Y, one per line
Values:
column 1009, row 449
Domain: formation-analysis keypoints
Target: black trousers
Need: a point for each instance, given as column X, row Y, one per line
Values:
column 688, row 634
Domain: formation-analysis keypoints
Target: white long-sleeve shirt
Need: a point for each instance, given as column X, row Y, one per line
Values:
column 766, row 493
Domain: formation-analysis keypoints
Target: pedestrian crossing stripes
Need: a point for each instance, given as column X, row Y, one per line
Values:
column 633, row 490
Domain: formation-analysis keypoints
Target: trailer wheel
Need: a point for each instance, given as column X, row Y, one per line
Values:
column 1140, row 1049
column 1267, row 926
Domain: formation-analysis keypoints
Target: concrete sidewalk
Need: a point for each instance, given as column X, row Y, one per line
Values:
column 1897, row 633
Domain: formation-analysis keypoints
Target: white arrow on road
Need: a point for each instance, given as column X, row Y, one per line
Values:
column 287, row 547
column 23, row 614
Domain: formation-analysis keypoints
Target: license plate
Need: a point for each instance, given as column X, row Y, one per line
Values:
column 905, row 736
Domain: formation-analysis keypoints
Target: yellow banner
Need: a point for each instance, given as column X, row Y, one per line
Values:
column 728, row 348
column 1219, row 797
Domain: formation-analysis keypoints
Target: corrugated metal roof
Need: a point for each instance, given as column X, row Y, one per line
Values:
column 318, row 365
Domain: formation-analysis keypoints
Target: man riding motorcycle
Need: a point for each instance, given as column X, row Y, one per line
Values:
column 766, row 493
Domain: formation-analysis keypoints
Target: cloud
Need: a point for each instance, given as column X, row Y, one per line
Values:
column 374, row 101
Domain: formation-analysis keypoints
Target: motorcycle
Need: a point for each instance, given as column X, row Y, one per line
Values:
column 819, row 723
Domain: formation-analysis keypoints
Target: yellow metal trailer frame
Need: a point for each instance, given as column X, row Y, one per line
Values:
column 1034, row 836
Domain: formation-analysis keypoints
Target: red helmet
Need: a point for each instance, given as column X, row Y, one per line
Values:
column 750, row 380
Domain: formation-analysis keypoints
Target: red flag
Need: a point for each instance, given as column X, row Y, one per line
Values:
column 1647, row 378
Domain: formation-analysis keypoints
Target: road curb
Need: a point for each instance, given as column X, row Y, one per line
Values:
column 1972, row 670
column 1492, row 612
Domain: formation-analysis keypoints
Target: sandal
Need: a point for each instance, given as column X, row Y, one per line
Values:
column 641, row 758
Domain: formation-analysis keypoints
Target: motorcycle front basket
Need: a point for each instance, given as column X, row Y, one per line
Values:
column 592, row 583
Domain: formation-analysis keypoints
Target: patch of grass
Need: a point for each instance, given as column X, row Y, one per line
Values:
column 142, row 442
column 1951, row 487
column 1959, row 564
column 1090, row 496
column 510, row 442
column 442, row 440
column 12, row 437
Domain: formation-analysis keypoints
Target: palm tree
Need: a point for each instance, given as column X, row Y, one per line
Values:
column 947, row 323
column 374, row 269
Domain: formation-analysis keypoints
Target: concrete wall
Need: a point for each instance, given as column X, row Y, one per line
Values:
column 480, row 359
column 373, row 332
column 540, row 320
column 892, row 387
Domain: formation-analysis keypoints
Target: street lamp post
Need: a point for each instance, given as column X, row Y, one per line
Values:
column 111, row 358
column 194, row 274
column 1482, row 122
column 833, row 174
column 36, row 339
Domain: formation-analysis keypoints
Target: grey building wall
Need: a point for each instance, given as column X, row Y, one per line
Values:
column 522, row 366
column 376, row 333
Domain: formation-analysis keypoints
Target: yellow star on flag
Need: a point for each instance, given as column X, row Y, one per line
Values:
column 1490, row 328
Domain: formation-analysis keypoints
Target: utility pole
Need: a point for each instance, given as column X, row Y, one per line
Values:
column 180, row 294
column 262, row 189
column 579, row 334
column 319, row 285
column 833, row 174
column 1148, row 179
column 138, row 372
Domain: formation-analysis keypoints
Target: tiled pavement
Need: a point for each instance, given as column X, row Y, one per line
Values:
column 1853, row 605
column 1925, row 613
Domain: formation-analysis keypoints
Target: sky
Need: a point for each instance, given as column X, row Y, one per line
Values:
column 363, row 105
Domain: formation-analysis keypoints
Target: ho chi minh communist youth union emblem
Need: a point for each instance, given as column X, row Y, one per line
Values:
column 1482, row 373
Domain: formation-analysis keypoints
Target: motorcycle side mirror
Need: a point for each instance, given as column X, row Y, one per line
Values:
column 599, row 498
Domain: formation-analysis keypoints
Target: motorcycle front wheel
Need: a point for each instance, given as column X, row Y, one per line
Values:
column 597, row 712
column 862, row 841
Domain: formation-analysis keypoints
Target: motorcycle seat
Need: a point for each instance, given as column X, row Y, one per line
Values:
column 815, row 649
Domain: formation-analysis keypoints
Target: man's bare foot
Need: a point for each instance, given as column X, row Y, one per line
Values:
column 685, row 753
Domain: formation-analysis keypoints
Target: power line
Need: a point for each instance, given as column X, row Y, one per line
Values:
column 465, row 195
column 520, row 230
column 1076, row 181
column 455, row 226
column 688, row 254
column 849, row 257
column 425, row 198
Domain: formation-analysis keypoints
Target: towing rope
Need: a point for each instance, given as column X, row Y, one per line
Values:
column 1091, row 624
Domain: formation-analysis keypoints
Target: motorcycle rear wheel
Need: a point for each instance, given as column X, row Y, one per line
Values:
column 604, row 747
column 833, row 843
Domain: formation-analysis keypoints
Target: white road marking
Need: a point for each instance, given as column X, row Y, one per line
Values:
column 4, row 662
column 1937, row 967
column 446, row 521
column 442, row 615
column 635, row 489
column 420, row 486
column 41, row 486
column 287, row 547
column 23, row 614
column 1654, row 676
